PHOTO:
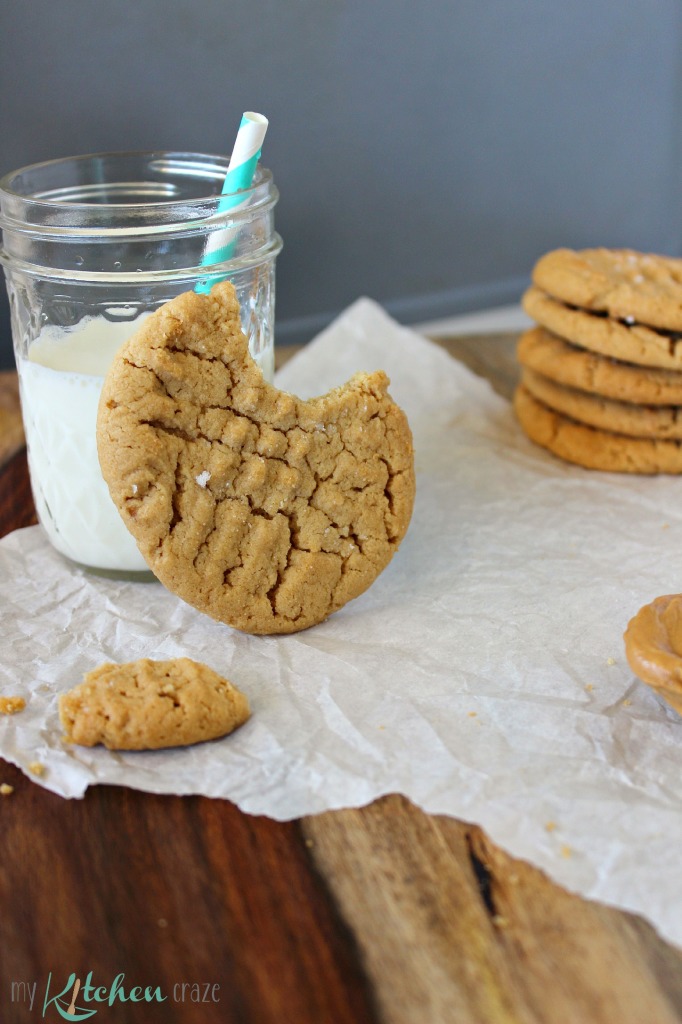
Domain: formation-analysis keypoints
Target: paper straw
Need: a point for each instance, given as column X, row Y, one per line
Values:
column 240, row 172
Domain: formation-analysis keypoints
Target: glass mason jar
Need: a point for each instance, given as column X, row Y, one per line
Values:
column 90, row 246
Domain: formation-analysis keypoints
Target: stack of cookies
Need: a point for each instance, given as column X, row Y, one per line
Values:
column 601, row 382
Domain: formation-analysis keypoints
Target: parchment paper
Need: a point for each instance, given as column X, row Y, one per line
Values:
column 483, row 675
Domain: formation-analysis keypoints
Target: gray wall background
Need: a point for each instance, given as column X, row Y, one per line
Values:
column 426, row 153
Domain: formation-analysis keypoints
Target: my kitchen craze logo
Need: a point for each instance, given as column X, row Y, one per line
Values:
column 71, row 1001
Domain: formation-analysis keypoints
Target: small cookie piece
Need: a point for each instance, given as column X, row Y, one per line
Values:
column 591, row 448
column 575, row 367
column 626, row 284
column 656, row 421
column 653, row 647
column 11, row 705
column 148, row 705
column 262, row 510
column 629, row 342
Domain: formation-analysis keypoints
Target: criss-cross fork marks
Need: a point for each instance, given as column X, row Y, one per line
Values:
column 264, row 510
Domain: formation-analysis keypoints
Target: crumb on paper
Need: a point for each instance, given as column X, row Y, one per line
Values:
column 550, row 826
column 666, row 526
column 610, row 661
column 627, row 703
column 10, row 705
column 472, row 714
column 566, row 851
column 6, row 789
column 589, row 687
column 36, row 768
column 381, row 727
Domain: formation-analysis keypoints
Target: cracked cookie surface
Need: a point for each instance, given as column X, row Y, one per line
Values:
column 149, row 705
column 262, row 510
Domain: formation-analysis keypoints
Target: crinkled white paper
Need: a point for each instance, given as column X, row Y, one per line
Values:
column 483, row 675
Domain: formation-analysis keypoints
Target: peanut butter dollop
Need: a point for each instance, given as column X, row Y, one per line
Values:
column 653, row 647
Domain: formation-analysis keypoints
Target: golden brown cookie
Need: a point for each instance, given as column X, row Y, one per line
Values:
column 631, row 343
column 653, row 647
column 657, row 421
column 621, row 282
column 262, row 510
column 147, row 705
column 594, row 449
column 577, row 368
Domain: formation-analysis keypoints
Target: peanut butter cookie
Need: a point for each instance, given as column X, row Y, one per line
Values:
column 575, row 367
column 657, row 421
column 262, row 510
column 147, row 705
column 592, row 448
column 625, row 284
column 629, row 342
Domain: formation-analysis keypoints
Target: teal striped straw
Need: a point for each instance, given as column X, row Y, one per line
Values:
column 240, row 172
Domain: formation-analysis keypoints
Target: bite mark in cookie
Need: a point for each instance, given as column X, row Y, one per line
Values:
column 264, row 511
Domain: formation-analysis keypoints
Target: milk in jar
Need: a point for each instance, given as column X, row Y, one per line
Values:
column 60, row 384
column 90, row 245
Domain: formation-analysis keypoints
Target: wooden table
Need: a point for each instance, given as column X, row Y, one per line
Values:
column 379, row 914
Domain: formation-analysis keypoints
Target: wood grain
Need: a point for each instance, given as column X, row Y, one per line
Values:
column 172, row 890
column 452, row 928
column 381, row 914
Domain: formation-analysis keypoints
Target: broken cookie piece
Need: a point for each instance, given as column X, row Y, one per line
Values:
column 262, row 510
column 147, row 705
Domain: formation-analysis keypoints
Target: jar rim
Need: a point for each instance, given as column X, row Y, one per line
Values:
column 208, row 167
